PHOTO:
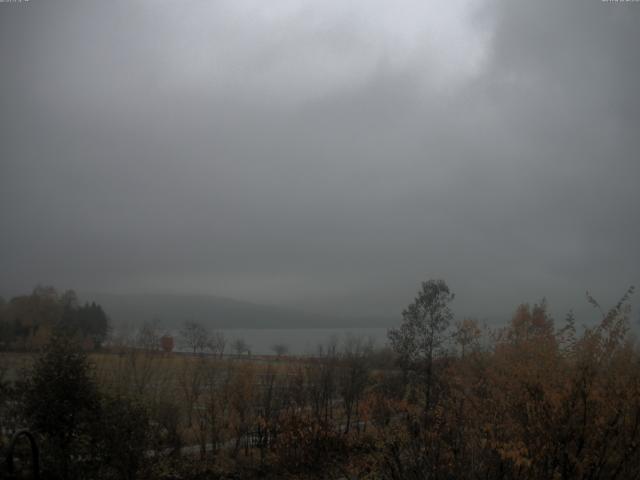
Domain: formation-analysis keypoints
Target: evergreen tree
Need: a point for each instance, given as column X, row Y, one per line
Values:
column 60, row 402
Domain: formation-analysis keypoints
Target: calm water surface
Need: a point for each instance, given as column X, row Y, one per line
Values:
column 300, row 341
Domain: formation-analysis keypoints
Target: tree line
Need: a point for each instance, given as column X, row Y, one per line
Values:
column 449, row 399
column 27, row 322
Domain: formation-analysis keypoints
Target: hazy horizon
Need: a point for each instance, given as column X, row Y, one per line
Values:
column 324, row 156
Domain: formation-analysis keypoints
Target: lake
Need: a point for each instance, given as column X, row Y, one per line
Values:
column 300, row 341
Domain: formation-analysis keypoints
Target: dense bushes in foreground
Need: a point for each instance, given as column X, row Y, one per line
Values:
column 529, row 401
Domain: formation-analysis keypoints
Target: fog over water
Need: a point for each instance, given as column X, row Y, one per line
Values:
column 299, row 341
column 325, row 156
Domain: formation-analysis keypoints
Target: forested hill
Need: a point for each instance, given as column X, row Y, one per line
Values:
column 216, row 312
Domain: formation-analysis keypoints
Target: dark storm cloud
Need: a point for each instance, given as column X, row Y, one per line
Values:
column 330, row 157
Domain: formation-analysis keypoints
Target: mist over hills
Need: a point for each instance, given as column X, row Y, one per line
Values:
column 218, row 312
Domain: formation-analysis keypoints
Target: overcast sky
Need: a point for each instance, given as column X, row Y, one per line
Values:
column 324, row 154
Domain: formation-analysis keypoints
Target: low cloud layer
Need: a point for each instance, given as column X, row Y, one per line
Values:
column 323, row 155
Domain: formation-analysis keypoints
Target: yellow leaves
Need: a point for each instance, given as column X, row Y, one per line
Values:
column 515, row 452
